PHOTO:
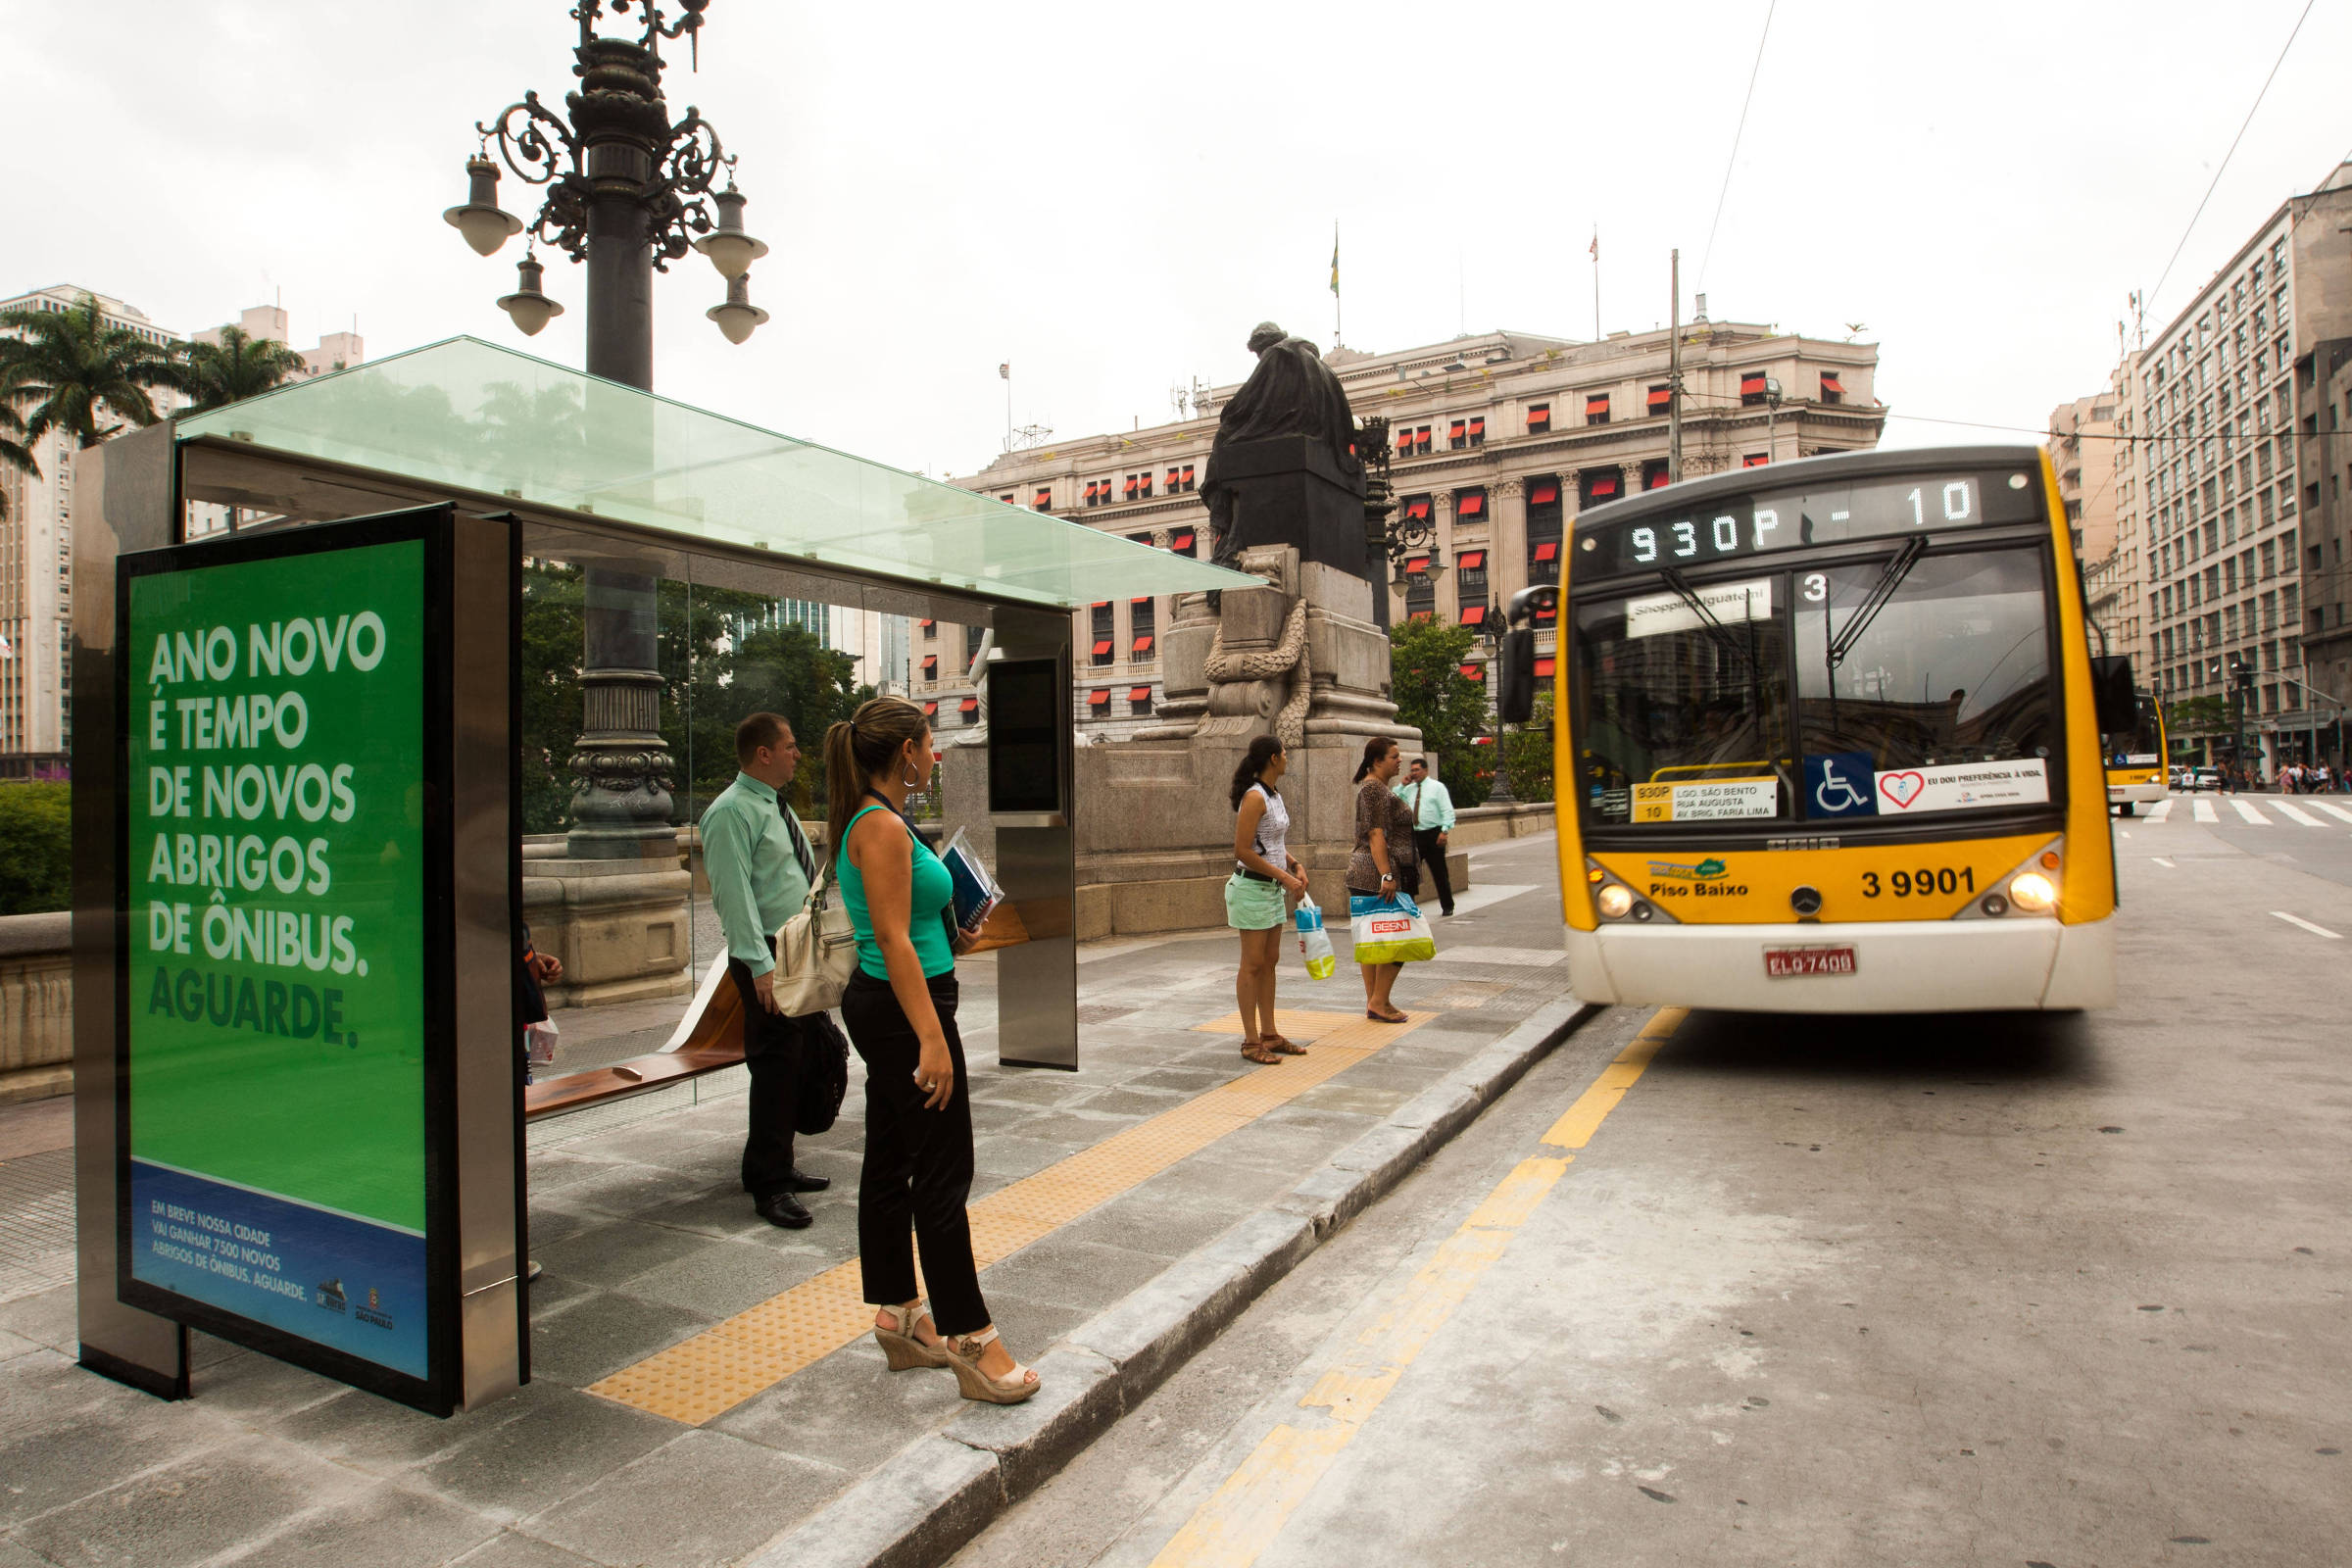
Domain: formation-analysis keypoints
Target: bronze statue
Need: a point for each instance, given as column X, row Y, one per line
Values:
column 1292, row 392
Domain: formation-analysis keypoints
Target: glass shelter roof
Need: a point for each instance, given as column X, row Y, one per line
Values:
column 472, row 416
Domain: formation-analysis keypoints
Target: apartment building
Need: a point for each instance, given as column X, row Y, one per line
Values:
column 1497, row 441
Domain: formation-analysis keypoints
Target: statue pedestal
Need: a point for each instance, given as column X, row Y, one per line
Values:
column 618, row 926
column 1288, row 490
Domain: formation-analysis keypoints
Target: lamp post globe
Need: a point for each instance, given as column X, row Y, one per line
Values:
column 480, row 221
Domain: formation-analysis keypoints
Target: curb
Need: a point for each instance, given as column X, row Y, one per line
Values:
column 939, row 1491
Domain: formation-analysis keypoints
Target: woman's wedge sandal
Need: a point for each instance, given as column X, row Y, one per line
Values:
column 963, row 1354
column 900, row 1345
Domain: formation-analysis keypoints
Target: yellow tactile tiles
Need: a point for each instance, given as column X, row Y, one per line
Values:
column 703, row 1377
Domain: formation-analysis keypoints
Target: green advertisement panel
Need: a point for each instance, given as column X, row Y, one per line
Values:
column 284, row 989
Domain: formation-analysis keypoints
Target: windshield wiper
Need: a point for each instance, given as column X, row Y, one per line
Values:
column 1889, row 581
column 1714, row 627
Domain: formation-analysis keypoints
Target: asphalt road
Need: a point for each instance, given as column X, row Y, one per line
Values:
column 1963, row 1290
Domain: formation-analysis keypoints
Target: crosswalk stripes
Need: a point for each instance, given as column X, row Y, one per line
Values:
column 2202, row 809
column 2160, row 811
column 2207, row 812
column 2245, row 808
column 2295, row 813
column 2332, row 811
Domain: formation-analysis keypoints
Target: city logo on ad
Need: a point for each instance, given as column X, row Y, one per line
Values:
column 1706, row 870
column 330, row 1294
column 373, row 1313
column 1839, row 784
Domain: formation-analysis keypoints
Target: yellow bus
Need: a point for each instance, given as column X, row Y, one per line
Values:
column 1827, row 740
column 2136, row 760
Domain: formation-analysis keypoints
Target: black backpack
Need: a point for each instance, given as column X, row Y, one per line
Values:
column 824, row 1069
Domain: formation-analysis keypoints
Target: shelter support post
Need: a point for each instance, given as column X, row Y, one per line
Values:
column 1037, row 851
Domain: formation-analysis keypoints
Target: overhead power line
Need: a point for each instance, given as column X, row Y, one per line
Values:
column 2158, row 290
column 1729, row 163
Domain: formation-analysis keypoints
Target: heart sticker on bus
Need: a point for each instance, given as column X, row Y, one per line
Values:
column 1901, row 788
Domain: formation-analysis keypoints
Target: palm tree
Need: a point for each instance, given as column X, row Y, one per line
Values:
column 14, row 454
column 76, row 367
column 236, row 368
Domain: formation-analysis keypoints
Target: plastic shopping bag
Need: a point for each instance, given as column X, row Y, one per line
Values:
column 1314, row 943
column 1390, row 930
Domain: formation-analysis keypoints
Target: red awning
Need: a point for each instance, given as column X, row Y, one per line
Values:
column 923, row 624
column 1482, row 740
column 1475, row 671
column 1100, row 604
column 1453, row 431
column 1655, row 480
column 1143, row 645
column 1474, row 616
column 930, row 708
column 1595, row 400
column 1422, row 614
column 970, row 705
column 1140, row 599
column 1548, row 551
column 1478, row 428
column 1415, row 564
column 931, row 665
column 1755, row 460
column 1008, row 499
column 1606, row 485
column 1102, row 648
column 1045, row 498
column 1099, row 698
column 1416, row 508
column 1830, row 383
column 1542, row 416
column 1181, row 541
column 1470, row 560
column 1172, row 474
column 1092, row 489
column 1548, row 613
column 1139, row 693
column 1188, row 474
column 1544, row 495
column 1146, row 487
column 1751, row 383
column 1471, row 505
column 1543, row 666
column 1131, row 489
column 1660, row 396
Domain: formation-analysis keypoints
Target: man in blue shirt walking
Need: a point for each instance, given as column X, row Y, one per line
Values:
column 1432, row 805
column 760, row 867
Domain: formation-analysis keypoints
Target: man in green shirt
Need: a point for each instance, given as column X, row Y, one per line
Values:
column 760, row 867
column 1432, row 805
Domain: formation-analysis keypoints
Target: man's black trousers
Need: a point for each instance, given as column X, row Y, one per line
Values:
column 772, row 1049
column 1433, row 859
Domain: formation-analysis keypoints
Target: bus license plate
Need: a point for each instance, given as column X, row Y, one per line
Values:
column 1779, row 964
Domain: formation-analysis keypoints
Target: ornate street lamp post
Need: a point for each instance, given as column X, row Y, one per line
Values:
column 628, row 192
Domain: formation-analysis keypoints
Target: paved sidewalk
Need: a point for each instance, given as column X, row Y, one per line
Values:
column 702, row 1383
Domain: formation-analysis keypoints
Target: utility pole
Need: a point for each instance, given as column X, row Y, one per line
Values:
column 1674, row 377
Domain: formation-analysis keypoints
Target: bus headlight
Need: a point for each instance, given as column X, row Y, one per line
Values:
column 1614, row 900
column 2032, row 892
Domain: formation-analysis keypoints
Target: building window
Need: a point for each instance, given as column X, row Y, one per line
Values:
column 1143, row 483
column 1139, row 701
column 1098, row 703
column 1093, row 491
column 1420, row 594
column 971, row 643
column 1476, row 672
column 1539, row 417
column 1595, row 485
column 930, row 667
column 1543, row 530
column 1188, row 477
column 1131, row 487
column 1470, row 584
column 1478, row 431
column 1661, row 399
column 1653, row 473
column 1182, row 543
column 1006, row 497
column 1420, row 442
column 1457, row 435
column 1751, row 388
column 931, row 709
column 1143, row 539
column 1470, row 504
column 1755, row 460
column 1045, row 499
column 1175, row 478
column 930, row 631
column 1833, row 390
column 1141, row 627
column 1416, row 508
column 1102, row 633
column 969, row 708
column 1596, row 407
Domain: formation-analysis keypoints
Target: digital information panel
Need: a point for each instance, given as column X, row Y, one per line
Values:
column 1773, row 519
column 283, row 1057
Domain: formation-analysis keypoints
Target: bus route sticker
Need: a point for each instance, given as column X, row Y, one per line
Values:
column 1712, row 801
column 1911, row 790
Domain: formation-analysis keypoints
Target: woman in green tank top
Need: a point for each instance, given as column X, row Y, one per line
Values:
column 900, row 1012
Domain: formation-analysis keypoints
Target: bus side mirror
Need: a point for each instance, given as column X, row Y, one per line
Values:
column 1515, row 685
column 2111, row 694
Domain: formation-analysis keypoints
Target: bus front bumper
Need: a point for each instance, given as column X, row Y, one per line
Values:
column 1900, row 966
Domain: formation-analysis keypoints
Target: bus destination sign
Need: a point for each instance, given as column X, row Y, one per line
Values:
column 1790, row 519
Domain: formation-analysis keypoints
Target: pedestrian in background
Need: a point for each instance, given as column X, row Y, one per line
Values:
column 759, row 868
column 1263, row 870
column 1384, row 847
column 1431, row 804
column 901, row 1009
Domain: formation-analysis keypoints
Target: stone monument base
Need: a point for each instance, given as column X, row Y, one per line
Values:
column 618, row 928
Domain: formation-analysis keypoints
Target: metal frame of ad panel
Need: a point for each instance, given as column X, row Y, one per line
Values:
column 272, row 1187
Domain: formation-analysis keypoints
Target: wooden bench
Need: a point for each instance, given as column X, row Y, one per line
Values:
column 708, row 1038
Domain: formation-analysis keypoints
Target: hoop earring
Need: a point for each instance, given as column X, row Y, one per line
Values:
column 910, row 781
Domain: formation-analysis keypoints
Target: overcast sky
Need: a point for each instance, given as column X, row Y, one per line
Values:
column 1111, row 197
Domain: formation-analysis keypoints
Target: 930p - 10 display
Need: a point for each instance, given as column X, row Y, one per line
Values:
column 1773, row 519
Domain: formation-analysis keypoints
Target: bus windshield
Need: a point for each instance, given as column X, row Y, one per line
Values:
column 1906, row 685
column 2144, row 746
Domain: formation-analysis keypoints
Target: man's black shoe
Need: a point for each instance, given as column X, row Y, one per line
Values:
column 800, row 1181
column 784, row 1209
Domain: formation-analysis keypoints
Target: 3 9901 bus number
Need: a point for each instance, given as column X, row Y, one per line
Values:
column 1921, row 882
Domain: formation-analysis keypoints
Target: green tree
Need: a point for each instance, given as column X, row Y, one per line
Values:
column 1447, row 707
column 2196, row 716
column 550, row 692
column 1527, row 752
column 80, row 373
column 36, row 849
column 744, row 661
column 235, row 369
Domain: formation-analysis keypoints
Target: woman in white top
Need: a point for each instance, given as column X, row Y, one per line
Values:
column 1264, row 869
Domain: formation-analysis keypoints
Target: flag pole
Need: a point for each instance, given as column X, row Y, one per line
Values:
column 1597, row 282
column 1337, row 337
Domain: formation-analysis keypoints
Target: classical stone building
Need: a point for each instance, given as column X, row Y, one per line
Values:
column 2235, row 566
column 1499, row 441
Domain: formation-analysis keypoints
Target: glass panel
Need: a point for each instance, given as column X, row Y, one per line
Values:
column 1685, row 715
column 1951, row 675
column 474, row 416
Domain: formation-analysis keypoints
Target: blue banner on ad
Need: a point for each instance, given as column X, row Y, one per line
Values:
column 349, row 1284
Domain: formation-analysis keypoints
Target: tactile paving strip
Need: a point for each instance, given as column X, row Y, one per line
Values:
column 708, row 1375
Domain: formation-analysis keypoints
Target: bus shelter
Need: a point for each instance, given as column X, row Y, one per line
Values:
column 300, row 697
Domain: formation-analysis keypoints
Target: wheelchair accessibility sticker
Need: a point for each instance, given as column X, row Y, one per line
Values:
column 1840, row 784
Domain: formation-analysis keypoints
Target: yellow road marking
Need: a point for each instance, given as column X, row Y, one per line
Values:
column 1244, row 1514
column 708, row 1374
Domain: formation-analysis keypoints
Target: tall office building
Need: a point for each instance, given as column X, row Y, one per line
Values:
column 1499, row 440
